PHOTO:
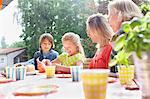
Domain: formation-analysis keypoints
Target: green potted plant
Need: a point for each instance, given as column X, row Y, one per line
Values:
column 125, row 69
column 136, row 41
column 145, row 7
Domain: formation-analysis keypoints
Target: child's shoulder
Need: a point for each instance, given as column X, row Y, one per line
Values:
column 37, row 54
column 53, row 51
column 63, row 54
column 78, row 55
column 107, row 47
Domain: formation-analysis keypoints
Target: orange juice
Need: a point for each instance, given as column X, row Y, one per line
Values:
column 50, row 71
column 95, row 83
column 41, row 68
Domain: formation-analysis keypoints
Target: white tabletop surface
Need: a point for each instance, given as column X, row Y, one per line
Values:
column 67, row 89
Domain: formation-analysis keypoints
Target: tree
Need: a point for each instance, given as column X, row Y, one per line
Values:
column 56, row 17
column 19, row 44
column 138, row 2
column 103, row 6
column 3, row 43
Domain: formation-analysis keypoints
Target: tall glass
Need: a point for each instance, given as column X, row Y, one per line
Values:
column 50, row 71
column 75, row 72
column 95, row 83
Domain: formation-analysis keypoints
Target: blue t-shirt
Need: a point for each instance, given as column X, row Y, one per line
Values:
column 39, row 54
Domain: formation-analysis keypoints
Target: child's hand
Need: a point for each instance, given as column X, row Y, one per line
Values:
column 46, row 62
column 79, row 63
column 40, row 65
column 38, row 61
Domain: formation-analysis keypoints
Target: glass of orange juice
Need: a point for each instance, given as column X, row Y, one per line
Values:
column 94, row 83
column 50, row 71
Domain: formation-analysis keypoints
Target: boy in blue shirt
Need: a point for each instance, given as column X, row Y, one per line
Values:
column 46, row 45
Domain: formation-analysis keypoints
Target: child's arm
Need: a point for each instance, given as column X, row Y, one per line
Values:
column 62, row 69
column 36, row 55
column 79, row 63
column 65, row 69
column 56, row 61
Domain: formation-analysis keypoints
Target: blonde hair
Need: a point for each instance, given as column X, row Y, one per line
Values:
column 75, row 39
column 47, row 36
column 100, row 25
column 127, row 8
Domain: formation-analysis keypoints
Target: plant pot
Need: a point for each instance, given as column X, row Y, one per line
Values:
column 143, row 73
column 126, row 74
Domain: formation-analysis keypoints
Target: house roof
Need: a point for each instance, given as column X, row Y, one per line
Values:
column 4, row 3
column 6, row 51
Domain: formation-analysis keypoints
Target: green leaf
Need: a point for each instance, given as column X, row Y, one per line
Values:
column 148, row 14
column 126, row 62
column 122, row 58
column 112, row 62
column 130, row 35
column 135, row 22
column 120, row 42
column 139, row 52
column 126, row 27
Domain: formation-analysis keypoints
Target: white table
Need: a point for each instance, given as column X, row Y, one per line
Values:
column 67, row 89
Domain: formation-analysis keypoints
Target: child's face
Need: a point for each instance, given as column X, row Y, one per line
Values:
column 93, row 35
column 70, row 48
column 46, row 45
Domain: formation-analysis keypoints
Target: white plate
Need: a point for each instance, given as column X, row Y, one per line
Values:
column 33, row 72
column 5, row 80
column 63, row 75
column 36, row 90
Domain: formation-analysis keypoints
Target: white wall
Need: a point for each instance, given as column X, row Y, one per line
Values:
column 11, row 56
column 3, row 64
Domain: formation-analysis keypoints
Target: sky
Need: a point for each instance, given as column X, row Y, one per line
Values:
column 9, row 28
